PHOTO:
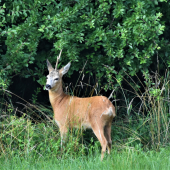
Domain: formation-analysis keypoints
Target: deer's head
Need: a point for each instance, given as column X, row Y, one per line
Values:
column 54, row 78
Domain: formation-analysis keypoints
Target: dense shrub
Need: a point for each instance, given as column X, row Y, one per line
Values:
column 123, row 35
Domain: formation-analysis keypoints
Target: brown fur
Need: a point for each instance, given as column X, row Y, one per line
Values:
column 96, row 113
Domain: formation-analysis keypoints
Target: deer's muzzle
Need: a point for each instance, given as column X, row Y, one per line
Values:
column 48, row 87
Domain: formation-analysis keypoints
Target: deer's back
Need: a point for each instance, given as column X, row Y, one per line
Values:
column 77, row 111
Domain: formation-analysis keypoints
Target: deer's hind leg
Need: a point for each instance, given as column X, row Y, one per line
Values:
column 99, row 132
column 107, row 133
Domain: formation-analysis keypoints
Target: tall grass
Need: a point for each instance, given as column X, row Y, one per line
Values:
column 19, row 136
column 140, row 129
column 157, row 104
column 147, row 114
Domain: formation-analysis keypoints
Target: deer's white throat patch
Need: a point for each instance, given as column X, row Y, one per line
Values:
column 108, row 112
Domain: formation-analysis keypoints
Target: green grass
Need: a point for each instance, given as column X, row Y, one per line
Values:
column 127, row 159
column 139, row 131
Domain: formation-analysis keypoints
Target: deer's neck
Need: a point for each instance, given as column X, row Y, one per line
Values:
column 56, row 96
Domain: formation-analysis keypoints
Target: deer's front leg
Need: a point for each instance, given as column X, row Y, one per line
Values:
column 63, row 133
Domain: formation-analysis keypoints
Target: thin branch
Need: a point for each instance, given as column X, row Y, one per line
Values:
column 58, row 59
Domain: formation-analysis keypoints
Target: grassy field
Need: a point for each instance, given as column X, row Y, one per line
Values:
column 140, row 136
column 127, row 159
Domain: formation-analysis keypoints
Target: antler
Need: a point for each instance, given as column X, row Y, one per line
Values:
column 58, row 59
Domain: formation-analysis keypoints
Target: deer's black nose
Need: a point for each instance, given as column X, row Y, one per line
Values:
column 48, row 86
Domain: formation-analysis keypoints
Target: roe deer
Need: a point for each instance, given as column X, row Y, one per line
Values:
column 96, row 112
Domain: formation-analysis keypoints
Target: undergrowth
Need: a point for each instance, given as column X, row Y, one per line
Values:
column 140, row 129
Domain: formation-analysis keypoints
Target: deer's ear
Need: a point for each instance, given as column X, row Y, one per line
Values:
column 65, row 69
column 49, row 66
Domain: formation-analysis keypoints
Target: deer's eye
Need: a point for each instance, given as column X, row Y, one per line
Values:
column 56, row 79
column 46, row 77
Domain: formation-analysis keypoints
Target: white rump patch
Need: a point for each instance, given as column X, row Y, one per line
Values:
column 108, row 112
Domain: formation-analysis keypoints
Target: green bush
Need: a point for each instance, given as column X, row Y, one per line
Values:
column 121, row 34
column 21, row 137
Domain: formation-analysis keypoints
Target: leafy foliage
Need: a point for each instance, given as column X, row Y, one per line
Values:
column 121, row 34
